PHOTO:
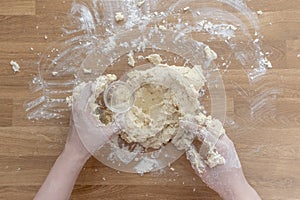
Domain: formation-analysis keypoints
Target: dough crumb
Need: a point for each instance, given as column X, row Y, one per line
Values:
column 69, row 101
column 154, row 59
column 162, row 27
column 87, row 71
column 45, row 37
column 210, row 54
column 15, row 66
column 214, row 158
column 259, row 12
column 186, row 8
column 54, row 73
column 231, row 27
column 140, row 3
column 140, row 57
column 119, row 16
column 131, row 61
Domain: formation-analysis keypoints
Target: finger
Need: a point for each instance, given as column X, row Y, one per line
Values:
column 196, row 160
column 120, row 121
column 82, row 100
column 209, row 142
column 193, row 128
column 109, row 130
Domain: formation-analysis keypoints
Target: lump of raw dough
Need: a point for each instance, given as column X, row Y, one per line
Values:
column 119, row 16
column 155, row 59
column 183, row 139
column 214, row 158
column 160, row 102
column 15, row 66
column 210, row 54
column 151, row 121
column 131, row 61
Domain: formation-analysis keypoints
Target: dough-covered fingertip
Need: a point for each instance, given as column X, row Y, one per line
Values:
column 196, row 160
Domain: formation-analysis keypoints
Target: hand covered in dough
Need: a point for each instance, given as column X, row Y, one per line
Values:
column 87, row 133
column 217, row 163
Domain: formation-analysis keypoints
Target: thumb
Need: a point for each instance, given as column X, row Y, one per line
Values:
column 82, row 99
column 110, row 130
column 196, row 160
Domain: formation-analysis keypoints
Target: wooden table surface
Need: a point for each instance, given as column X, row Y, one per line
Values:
column 270, row 155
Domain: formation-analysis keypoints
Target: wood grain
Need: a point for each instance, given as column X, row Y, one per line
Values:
column 269, row 147
column 17, row 7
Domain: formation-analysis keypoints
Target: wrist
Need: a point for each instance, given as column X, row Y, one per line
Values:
column 73, row 156
column 242, row 191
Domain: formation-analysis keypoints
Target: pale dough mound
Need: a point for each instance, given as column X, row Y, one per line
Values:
column 165, row 94
column 153, row 119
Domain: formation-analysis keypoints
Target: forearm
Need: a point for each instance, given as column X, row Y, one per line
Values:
column 242, row 192
column 62, row 177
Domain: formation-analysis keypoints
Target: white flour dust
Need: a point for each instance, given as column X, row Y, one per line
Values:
column 228, row 27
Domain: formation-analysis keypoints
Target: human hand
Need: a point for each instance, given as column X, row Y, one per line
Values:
column 217, row 164
column 87, row 133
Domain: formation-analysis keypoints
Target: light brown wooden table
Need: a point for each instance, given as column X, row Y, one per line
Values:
column 270, row 156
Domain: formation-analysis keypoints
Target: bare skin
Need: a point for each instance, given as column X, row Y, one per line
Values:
column 62, row 177
column 227, row 180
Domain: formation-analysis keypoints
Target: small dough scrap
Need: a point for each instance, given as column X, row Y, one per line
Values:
column 155, row 59
column 131, row 61
column 15, row 66
column 214, row 158
column 87, row 71
column 140, row 3
column 140, row 57
column 196, row 160
column 210, row 54
column 54, row 73
column 69, row 101
column 186, row 8
column 162, row 27
column 119, row 16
